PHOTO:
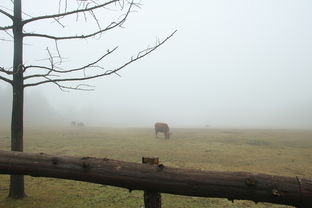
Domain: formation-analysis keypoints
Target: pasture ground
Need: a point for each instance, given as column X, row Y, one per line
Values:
column 278, row 152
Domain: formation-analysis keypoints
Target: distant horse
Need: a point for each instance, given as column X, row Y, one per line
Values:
column 80, row 124
column 162, row 127
column 73, row 123
column 77, row 124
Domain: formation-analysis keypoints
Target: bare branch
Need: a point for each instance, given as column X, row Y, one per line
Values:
column 53, row 69
column 6, row 14
column 6, row 80
column 81, row 87
column 95, row 19
column 140, row 55
column 112, row 25
column 68, row 13
column 92, row 64
column 6, row 27
column 71, row 79
column 59, row 8
column 65, row 88
column 56, row 20
column 8, row 72
column 58, row 52
column 41, row 75
column 12, row 10
column 51, row 58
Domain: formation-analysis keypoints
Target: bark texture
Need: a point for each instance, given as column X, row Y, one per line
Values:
column 159, row 178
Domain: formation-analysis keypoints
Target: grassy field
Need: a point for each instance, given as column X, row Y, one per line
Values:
column 278, row 152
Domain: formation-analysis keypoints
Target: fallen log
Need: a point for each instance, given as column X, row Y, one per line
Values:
column 293, row 191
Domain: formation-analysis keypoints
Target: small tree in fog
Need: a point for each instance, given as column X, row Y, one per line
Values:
column 21, row 76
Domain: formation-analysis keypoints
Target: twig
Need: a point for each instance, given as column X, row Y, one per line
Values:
column 140, row 55
column 112, row 25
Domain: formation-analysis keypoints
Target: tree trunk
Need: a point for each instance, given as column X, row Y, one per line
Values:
column 159, row 178
column 17, row 181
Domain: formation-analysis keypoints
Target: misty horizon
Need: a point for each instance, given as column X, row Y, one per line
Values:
column 38, row 112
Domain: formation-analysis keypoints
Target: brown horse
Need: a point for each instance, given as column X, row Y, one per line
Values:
column 162, row 127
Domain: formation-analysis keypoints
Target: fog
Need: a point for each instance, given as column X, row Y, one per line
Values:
column 231, row 64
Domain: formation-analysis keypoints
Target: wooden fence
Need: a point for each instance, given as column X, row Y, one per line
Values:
column 155, row 178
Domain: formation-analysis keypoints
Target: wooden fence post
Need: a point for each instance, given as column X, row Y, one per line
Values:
column 151, row 199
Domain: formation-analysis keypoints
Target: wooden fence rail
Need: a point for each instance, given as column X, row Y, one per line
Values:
column 293, row 191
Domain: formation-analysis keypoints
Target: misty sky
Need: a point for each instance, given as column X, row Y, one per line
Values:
column 232, row 63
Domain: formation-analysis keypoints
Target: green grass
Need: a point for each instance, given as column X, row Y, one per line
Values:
column 278, row 152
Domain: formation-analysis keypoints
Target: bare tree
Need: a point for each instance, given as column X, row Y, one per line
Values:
column 21, row 76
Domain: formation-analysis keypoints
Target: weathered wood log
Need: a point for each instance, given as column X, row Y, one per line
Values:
column 152, row 199
column 159, row 178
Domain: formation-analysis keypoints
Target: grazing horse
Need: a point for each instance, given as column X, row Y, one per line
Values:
column 80, row 124
column 162, row 127
column 73, row 123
